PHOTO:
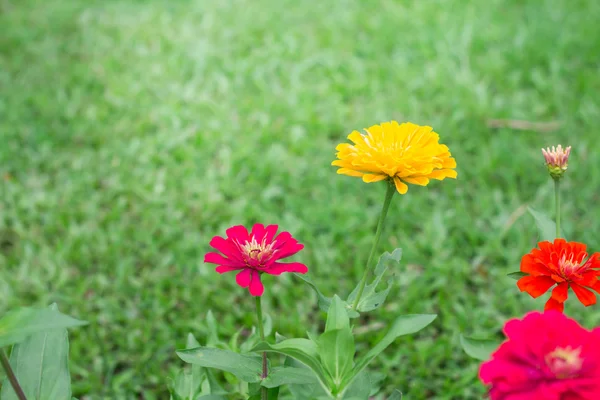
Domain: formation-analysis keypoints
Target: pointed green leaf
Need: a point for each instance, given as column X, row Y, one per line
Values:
column 516, row 275
column 211, row 397
column 303, row 350
column 16, row 325
column 337, row 316
column 287, row 376
column 404, row 325
column 212, row 339
column 397, row 395
column 41, row 361
column 187, row 384
column 248, row 368
column 546, row 226
column 336, row 349
column 480, row 349
column 322, row 300
column 371, row 299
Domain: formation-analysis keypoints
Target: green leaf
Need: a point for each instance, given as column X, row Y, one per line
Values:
column 337, row 316
column 312, row 390
column 397, row 395
column 404, row 325
column 187, row 384
column 322, row 301
column 360, row 389
column 211, row 397
column 336, row 349
column 546, row 226
column 303, row 350
column 16, row 325
column 212, row 339
column 480, row 349
column 248, row 368
column 371, row 299
column 288, row 376
column 272, row 394
column 41, row 361
column 516, row 275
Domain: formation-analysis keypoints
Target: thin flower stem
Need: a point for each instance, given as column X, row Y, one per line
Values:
column 261, row 330
column 557, row 205
column 391, row 189
column 10, row 374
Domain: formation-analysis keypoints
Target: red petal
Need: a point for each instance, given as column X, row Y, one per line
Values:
column 588, row 279
column 530, row 265
column 256, row 286
column 535, row 285
column 243, row 278
column 258, row 231
column 596, row 286
column 226, row 247
column 561, row 292
column 585, row 296
column 552, row 304
column 278, row 268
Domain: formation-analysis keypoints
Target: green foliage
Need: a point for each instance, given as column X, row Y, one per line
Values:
column 165, row 122
column 246, row 367
column 480, row 349
column 18, row 324
column 371, row 299
column 41, row 360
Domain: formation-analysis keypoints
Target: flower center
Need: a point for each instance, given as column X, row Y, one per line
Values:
column 564, row 362
column 256, row 253
column 568, row 268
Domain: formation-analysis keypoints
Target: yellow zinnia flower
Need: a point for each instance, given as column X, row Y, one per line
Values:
column 406, row 153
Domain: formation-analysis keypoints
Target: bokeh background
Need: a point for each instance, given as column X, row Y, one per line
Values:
column 131, row 132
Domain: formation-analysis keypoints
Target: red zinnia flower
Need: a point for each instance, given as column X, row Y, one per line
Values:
column 254, row 253
column 545, row 357
column 563, row 264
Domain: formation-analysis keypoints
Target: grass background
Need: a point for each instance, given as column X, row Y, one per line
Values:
column 133, row 131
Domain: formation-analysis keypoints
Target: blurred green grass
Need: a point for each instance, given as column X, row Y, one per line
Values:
column 133, row 131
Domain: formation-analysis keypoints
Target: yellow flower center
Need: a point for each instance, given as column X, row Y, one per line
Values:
column 564, row 362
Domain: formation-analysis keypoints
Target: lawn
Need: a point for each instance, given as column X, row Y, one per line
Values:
column 131, row 132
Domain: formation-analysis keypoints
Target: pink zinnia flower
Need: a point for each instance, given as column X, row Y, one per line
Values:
column 254, row 253
column 545, row 357
column 557, row 160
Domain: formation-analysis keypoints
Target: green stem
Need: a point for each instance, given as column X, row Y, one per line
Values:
column 557, row 205
column 11, row 375
column 261, row 330
column 391, row 189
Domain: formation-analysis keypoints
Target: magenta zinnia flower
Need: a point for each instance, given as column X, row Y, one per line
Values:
column 254, row 253
column 545, row 357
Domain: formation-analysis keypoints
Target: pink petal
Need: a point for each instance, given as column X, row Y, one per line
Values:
column 238, row 232
column 221, row 269
column 258, row 232
column 243, row 277
column 278, row 268
column 281, row 239
column 216, row 258
column 256, row 286
column 270, row 232
column 289, row 249
column 226, row 247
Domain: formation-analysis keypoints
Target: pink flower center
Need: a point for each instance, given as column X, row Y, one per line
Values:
column 256, row 254
column 564, row 362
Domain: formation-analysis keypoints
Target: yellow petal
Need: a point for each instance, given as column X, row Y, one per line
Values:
column 417, row 180
column 349, row 172
column 442, row 173
column 368, row 178
column 401, row 187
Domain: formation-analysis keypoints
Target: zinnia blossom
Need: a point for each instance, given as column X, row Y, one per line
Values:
column 557, row 160
column 564, row 264
column 545, row 357
column 253, row 254
column 404, row 153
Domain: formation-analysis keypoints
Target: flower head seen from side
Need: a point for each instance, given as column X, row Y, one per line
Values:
column 403, row 153
column 546, row 356
column 557, row 160
column 564, row 264
column 254, row 253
